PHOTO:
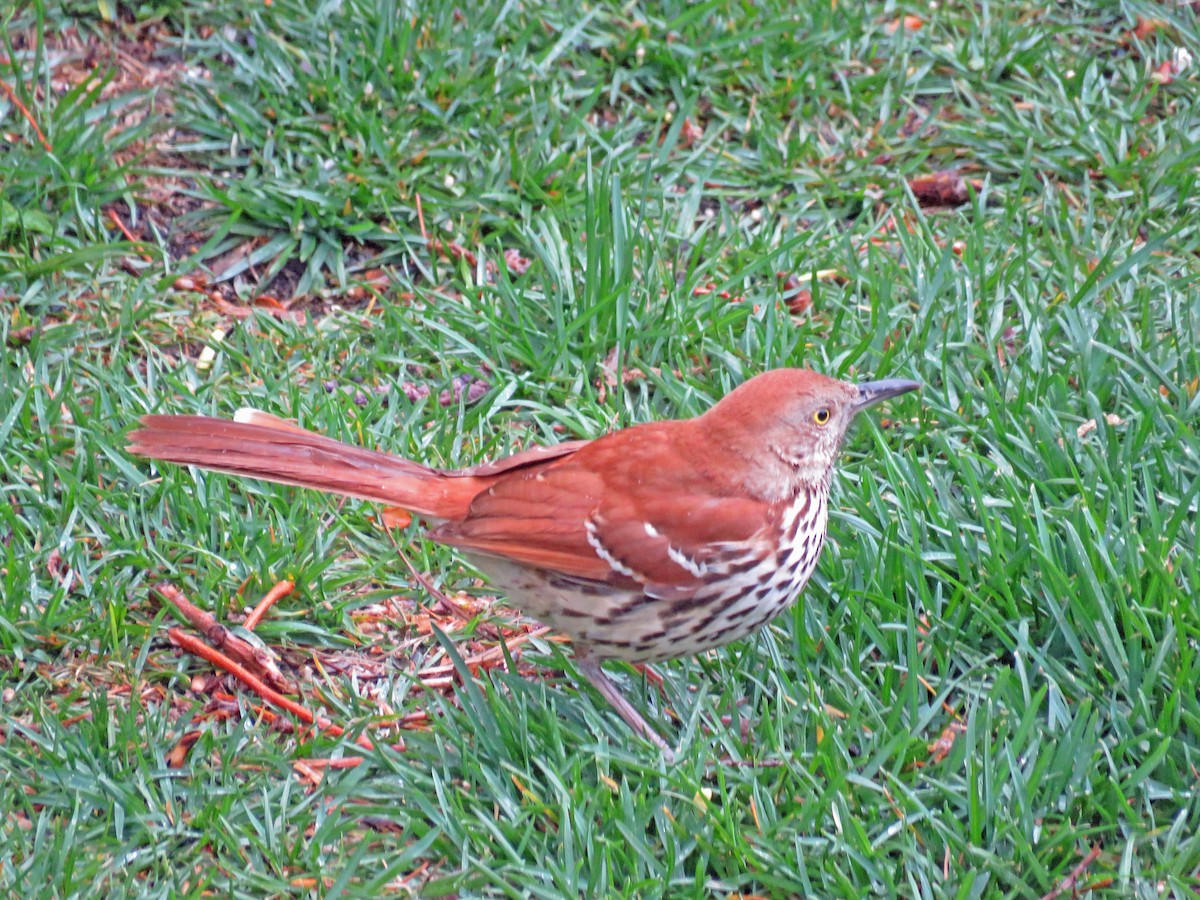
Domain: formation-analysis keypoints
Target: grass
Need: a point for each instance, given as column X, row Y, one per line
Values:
column 989, row 689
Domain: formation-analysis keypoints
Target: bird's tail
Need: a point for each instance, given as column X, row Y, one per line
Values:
column 258, row 445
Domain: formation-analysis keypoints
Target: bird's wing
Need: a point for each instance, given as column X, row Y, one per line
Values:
column 674, row 543
column 536, row 516
column 617, row 524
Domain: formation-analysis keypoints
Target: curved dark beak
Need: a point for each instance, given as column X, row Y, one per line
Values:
column 872, row 392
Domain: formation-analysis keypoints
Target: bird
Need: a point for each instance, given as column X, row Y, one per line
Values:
column 660, row 540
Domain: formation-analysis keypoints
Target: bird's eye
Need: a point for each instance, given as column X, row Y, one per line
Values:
column 821, row 416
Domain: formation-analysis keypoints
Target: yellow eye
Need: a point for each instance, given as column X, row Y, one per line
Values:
column 821, row 416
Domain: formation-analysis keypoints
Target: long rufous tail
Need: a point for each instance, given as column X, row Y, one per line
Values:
column 259, row 445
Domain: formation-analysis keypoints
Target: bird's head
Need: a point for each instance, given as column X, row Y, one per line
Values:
column 790, row 423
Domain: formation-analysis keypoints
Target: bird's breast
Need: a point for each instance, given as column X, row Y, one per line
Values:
column 744, row 587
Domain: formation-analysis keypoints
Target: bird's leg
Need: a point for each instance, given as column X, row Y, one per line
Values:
column 591, row 669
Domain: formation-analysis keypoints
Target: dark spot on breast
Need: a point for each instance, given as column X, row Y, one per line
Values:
column 763, row 592
column 687, row 604
column 581, row 585
column 711, row 617
column 738, row 568
column 769, row 614
column 716, row 636
column 625, row 645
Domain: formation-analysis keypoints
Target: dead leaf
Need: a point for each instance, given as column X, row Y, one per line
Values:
column 689, row 133
column 194, row 282
column 383, row 825
column 225, row 308
column 1181, row 60
column 1163, row 74
column 1147, row 27
column 1090, row 425
column 797, row 297
column 517, row 264
column 60, row 571
column 943, row 188
column 908, row 23
column 799, row 302
column 177, row 755
column 833, row 711
column 941, row 747
column 395, row 517
column 469, row 384
column 473, row 387
column 20, row 336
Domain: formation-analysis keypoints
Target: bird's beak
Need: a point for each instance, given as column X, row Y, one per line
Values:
column 872, row 392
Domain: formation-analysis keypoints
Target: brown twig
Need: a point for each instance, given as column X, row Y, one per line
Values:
column 313, row 770
column 421, row 219
column 225, row 308
column 194, row 645
column 1068, row 883
column 220, row 636
column 273, row 596
column 16, row 101
column 346, row 762
column 946, row 707
column 129, row 235
column 247, row 655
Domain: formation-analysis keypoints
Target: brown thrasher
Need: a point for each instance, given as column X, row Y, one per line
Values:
column 653, row 542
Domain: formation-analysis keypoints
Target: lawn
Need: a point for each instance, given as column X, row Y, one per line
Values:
column 455, row 231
